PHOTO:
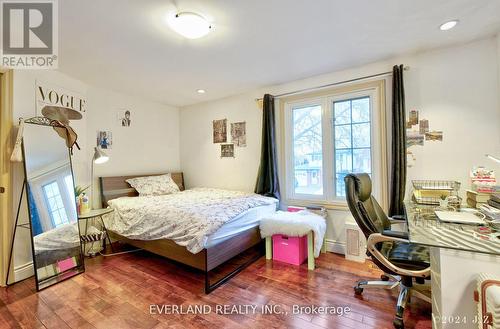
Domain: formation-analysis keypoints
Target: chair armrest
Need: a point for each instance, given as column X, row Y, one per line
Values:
column 396, row 234
column 397, row 219
column 371, row 245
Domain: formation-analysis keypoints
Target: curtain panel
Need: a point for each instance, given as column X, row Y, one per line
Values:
column 267, row 178
column 398, row 167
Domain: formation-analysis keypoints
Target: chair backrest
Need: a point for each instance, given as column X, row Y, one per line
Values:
column 365, row 209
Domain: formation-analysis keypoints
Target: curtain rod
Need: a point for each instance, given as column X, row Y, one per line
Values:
column 406, row 68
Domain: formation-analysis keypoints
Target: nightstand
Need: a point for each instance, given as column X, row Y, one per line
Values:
column 96, row 214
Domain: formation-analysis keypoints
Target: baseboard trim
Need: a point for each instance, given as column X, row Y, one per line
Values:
column 24, row 271
column 335, row 246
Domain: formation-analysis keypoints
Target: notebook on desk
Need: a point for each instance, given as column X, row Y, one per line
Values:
column 457, row 217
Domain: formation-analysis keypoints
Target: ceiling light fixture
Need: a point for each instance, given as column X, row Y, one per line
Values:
column 448, row 25
column 201, row 91
column 189, row 25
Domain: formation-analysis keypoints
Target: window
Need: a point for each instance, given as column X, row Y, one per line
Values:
column 55, row 204
column 331, row 135
column 307, row 150
column 352, row 131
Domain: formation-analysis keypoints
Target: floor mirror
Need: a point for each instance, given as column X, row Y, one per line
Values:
column 57, row 253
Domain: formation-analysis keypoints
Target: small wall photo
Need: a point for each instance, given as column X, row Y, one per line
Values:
column 123, row 117
column 227, row 151
column 105, row 140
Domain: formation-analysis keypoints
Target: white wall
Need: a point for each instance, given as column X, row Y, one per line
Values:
column 201, row 161
column 149, row 145
column 455, row 88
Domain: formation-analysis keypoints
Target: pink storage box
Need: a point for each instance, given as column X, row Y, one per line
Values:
column 291, row 250
column 295, row 209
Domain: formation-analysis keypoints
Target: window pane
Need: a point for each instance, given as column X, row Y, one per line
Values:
column 361, row 135
column 343, row 137
column 361, row 161
column 342, row 113
column 59, row 203
column 55, row 203
column 340, row 184
column 352, row 139
column 56, row 218
column 307, row 150
column 62, row 214
column 48, row 190
column 361, row 110
column 343, row 161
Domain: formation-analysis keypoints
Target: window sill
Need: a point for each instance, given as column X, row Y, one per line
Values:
column 330, row 205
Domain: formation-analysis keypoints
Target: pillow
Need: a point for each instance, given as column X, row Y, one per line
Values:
column 154, row 185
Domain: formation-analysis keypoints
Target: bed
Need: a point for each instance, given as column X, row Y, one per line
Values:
column 233, row 234
column 57, row 244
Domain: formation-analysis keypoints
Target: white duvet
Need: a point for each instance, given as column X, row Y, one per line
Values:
column 63, row 237
column 187, row 217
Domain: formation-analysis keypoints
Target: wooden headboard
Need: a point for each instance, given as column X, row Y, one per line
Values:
column 116, row 186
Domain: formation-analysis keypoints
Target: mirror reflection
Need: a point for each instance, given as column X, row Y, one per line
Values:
column 51, row 198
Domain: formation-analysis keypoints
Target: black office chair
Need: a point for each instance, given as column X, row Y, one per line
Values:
column 405, row 265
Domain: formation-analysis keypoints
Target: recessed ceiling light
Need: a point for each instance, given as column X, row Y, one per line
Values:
column 201, row 91
column 448, row 25
column 189, row 25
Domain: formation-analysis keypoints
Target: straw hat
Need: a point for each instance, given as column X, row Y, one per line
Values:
column 63, row 115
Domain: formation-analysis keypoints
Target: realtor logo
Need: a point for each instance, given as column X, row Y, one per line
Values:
column 29, row 34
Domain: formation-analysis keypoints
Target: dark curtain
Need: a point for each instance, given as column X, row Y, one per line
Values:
column 398, row 168
column 267, row 179
column 36, row 226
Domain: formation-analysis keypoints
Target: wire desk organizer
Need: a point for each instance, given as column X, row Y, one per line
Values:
column 431, row 192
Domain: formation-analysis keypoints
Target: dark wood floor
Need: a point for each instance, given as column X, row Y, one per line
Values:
column 116, row 292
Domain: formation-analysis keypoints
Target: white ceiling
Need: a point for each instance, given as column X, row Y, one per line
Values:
column 124, row 45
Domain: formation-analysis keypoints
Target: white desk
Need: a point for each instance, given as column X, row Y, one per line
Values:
column 458, row 255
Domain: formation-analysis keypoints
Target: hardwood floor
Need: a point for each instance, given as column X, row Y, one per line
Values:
column 117, row 291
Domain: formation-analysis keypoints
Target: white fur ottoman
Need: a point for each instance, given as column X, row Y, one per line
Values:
column 295, row 224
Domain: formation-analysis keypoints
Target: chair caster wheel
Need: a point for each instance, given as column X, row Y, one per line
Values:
column 398, row 323
column 384, row 277
column 358, row 291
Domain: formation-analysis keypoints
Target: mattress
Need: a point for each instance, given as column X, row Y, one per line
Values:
column 245, row 221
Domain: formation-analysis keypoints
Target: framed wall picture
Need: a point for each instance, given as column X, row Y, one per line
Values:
column 227, row 150
column 239, row 134
column 124, row 118
column 105, row 140
column 220, row 131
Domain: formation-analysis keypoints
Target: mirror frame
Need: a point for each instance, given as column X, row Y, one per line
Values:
column 42, row 121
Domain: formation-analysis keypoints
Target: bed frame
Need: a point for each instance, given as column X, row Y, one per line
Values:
column 207, row 259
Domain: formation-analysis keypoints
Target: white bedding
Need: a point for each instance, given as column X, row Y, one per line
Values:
column 188, row 218
column 63, row 237
column 244, row 221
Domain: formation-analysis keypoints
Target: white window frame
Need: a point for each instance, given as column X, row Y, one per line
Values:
column 290, row 190
column 36, row 187
column 376, row 92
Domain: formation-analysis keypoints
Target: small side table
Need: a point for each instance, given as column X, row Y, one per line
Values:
column 97, row 214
